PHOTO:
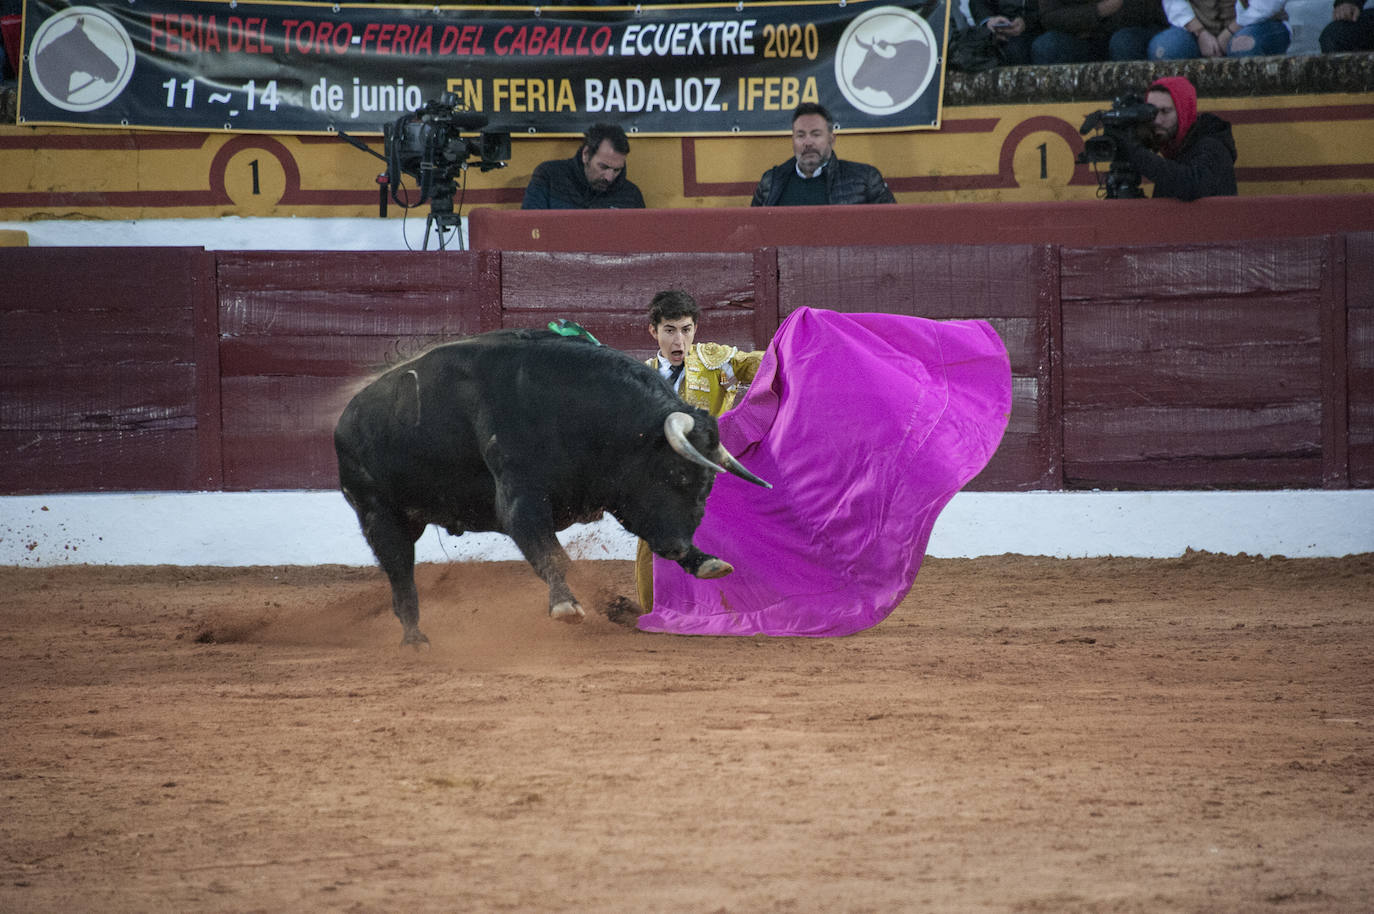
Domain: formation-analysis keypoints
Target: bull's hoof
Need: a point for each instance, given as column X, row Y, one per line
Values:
column 415, row 638
column 714, row 568
column 568, row 611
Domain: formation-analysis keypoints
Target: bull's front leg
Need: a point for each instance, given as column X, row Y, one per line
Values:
column 529, row 523
column 700, row 565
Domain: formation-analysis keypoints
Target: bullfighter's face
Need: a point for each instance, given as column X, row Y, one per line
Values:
column 812, row 140
column 674, row 337
column 602, row 166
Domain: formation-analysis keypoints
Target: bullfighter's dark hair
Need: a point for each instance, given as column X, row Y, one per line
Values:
column 598, row 133
column 806, row 108
column 672, row 304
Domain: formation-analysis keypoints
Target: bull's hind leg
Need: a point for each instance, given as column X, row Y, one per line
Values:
column 393, row 542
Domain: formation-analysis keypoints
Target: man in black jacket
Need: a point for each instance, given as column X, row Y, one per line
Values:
column 594, row 178
column 1012, row 24
column 1196, row 154
column 1351, row 28
column 813, row 176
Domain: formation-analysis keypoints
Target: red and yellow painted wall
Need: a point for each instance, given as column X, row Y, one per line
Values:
column 1289, row 144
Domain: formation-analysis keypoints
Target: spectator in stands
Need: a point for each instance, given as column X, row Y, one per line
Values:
column 1188, row 155
column 1351, row 28
column 1080, row 31
column 11, row 22
column 814, row 176
column 594, row 178
column 1013, row 23
column 1222, row 28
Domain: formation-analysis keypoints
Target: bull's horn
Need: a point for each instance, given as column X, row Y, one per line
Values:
column 866, row 45
column 676, row 427
column 735, row 468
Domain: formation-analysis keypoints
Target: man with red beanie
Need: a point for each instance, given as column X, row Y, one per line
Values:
column 1189, row 155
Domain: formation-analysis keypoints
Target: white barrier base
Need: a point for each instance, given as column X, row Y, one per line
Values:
column 240, row 233
column 314, row 528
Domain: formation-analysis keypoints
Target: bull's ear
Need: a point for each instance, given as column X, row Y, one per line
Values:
column 675, row 428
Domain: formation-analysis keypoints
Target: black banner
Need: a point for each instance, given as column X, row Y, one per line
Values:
column 314, row 68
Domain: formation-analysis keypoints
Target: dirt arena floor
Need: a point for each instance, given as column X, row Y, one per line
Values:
column 1020, row 735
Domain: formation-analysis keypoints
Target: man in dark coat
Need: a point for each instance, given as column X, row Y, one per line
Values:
column 1013, row 25
column 1196, row 154
column 1351, row 28
column 594, row 178
column 814, row 176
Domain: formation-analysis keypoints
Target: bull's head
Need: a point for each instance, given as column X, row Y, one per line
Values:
column 890, row 67
column 669, row 533
column 676, row 427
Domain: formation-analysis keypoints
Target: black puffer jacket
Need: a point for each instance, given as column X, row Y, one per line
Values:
column 1028, row 11
column 845, row 182
column 562, row 184
column 1204, row 167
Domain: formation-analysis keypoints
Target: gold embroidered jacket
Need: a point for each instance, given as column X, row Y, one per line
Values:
column 705, row 383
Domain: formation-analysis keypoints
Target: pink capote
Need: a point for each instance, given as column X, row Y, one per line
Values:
column 866, row 424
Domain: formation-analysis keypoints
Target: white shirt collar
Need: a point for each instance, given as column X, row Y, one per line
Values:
column 665, row 367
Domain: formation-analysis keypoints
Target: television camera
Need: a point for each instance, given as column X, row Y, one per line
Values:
column 428, row 144
column 1129, row 119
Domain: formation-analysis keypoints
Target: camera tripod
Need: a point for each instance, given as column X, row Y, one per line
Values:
column 442, row 217
column 1123, row 181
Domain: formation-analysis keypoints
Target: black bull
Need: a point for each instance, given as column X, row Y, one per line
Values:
column 525, row 433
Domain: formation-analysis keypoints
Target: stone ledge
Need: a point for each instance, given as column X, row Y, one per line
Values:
column 1230, row 78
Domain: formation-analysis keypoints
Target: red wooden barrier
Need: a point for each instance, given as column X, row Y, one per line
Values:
column 1231, row 364
column 1195, row 365
column 1011, row 286
column 300, row 333
column 104, row 371
column 1079, row 223
column 1359, row 302
column 610, row 295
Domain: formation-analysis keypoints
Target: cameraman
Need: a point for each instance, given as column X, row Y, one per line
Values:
column 1196, row 155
